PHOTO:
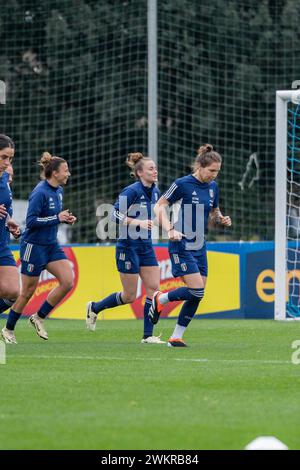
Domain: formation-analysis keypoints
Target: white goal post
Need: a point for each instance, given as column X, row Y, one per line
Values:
column 283, row 97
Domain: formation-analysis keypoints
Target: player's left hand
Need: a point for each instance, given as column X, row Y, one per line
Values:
column 225, row 220
column 71, row 219
column 16, row 234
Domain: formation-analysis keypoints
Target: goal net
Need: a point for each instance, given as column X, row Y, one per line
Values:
column 287, row 237
column 77, row 84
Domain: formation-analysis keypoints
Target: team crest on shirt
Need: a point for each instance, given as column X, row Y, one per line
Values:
column 211, row 193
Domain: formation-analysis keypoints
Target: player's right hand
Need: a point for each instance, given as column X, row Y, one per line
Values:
column 146, row 224
column 174, row 235
column 64, row 216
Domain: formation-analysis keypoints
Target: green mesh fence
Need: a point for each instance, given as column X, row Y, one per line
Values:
column 220, row 64
column 76, row 74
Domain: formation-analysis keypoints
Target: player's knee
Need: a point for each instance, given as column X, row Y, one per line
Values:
column 15, row 292
column 128, row 297
column 150, row 291
column 9, row 291
column 67, row 285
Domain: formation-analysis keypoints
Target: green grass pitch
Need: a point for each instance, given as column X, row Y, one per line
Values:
column 105, row 390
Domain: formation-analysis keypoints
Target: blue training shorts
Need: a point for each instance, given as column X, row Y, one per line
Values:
column 6, row 257
column 36, row 257
column 188, row 262
column 130, row 259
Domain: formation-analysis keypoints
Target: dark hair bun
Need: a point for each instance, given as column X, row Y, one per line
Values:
column 133, row 158
column 204, row 149
column 45, row 159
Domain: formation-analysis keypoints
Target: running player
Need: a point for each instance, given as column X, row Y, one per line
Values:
column 39, row 247
column 9, row 276
column 134, row 251
column 198, row 198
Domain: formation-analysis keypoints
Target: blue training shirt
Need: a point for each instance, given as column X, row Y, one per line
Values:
column 135, row 201
column 6, row 199
column 45, row 203
column 188, row 192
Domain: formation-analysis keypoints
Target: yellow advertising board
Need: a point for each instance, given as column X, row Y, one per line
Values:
column 96, row 276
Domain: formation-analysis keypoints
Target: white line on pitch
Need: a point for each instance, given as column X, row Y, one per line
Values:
column 111, row 358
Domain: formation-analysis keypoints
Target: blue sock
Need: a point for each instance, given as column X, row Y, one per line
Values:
column 183, row 293
column 187, row 312
column 189, row 307
column 45, row 309
column 5, row 304
column 148, row 326
column 12, row 319
column 113, row 300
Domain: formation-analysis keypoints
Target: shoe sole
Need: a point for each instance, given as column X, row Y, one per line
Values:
column 88, row 311
column 30, row 322
column 145, row 342
column 177, row 345
column 153, row 312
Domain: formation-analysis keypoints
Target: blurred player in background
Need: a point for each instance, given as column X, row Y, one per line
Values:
column 9, row 276
column 10, row 172
column 39, row 247
column 189, row 261
column 134, row 251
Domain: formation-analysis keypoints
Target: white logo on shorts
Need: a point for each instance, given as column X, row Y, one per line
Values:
column 128, row 265
column 183, row 266
column 30, row 268
column 122, row 257
column 176, row 259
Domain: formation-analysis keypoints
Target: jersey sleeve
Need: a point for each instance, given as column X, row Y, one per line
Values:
column 34, row 219
column 174, row 193
column 216, row 199
column 122, row 205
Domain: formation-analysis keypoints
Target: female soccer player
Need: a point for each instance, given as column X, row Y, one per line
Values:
column 199, row 198
column 9, row 276
column 134, row 251
column 39, row 247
